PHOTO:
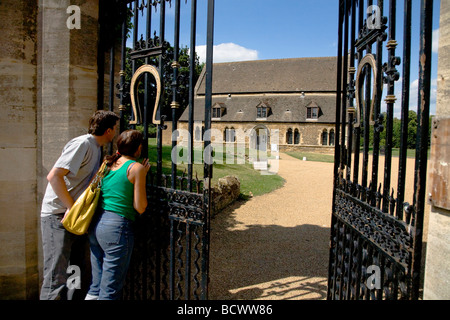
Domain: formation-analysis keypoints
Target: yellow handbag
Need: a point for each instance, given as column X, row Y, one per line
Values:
column 79, row 217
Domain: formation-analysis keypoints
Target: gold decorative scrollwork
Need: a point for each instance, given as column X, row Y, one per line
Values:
column 133, row 90
column 368, row 59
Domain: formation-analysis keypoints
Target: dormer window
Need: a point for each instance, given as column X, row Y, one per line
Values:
column 312, row 111
column 218, row 110
column 216, row 113
column 262, row 111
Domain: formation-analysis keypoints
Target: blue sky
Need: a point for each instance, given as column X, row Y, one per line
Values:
column 276, row 29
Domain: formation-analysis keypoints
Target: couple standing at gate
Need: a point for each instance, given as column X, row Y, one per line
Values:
column 123, row 197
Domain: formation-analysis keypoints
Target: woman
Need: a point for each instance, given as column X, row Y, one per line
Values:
column 123, row 197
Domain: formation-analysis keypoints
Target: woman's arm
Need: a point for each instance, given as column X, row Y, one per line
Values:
column 140, row 192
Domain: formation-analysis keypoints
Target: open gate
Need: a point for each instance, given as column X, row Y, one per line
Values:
column 376, row 229
column 171, row 251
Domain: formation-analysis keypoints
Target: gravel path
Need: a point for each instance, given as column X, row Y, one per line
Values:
column 275, row 246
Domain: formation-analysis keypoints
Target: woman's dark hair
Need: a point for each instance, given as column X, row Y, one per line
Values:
column 128, row 143
column 101, row 121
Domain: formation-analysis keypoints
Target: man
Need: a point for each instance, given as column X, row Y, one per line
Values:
column 69, row 177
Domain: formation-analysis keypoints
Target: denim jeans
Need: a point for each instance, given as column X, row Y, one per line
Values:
column 111, row 239
column 61, row 249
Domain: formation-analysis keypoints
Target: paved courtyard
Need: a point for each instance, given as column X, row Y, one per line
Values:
column 275, row 246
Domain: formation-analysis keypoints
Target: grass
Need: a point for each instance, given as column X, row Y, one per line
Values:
column 253, row 183
column 410, row 153
column 311, row 156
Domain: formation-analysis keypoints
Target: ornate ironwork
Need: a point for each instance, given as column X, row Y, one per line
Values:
column 376, row 237
column 171, row 252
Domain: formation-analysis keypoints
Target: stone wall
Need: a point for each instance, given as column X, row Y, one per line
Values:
column 437, row 267
column 18, row 149
column 49, row 91
column 225, row 192
column 310, row 133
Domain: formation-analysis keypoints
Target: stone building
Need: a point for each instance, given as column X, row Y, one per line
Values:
column 252, row 99
column 53, row 78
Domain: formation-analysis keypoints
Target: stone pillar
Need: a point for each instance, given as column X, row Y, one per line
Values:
column 48, row 84
column 68, row 74
column 437, row 266
column 18, row 150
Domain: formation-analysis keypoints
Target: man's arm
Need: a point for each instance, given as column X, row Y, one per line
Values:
column 56, row 178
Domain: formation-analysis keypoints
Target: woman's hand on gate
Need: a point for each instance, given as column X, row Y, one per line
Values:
column 146, row 165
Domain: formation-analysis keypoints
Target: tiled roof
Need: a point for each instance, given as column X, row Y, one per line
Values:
column 273, row 76
column 240, row 87
column 283, row 107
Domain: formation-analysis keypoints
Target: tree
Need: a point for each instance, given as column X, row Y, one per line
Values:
column 412, row 129
column 396, row 131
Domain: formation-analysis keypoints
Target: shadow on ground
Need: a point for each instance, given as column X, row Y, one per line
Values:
column 267, row 261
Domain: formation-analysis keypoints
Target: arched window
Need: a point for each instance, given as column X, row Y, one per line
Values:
column 324, row 137
column 229, row 135
column 197, row 134
column 296, row 137
column 289, row 136
column 225, row 134
column 331, row 140
column 232, row 135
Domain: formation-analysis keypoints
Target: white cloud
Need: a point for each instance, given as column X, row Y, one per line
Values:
column 435, row 43
column 227, row 52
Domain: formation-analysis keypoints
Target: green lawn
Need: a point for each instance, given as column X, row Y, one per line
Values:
column 252, row 181
column 410, row 153
column 311, row 156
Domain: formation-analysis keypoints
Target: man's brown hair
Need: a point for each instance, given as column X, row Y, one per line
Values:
column 101, row 121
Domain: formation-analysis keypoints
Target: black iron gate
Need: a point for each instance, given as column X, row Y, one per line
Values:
column 171, row 252
column 376, row 235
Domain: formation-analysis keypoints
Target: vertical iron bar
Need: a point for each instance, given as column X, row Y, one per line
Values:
column 187, row 280
column 208, row 159
column 146, row 82
column 111, row 86
column 358, row 129
column 175, row 104
column 351, row 109
column 122, row 69
column 101, row 58
column 344, row 90
column 161, row 126
column 368, row 98
column 377, row 107
column 390, row 99
column 161, row 249
column 192, row 78
column 331, row 270
column 172, row 262
column 405, row 108
column 135, row 35
column 423, row 115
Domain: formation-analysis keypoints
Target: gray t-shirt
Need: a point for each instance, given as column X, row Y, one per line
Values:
column 81, row 156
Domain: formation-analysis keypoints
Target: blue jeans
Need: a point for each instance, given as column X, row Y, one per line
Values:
column 111, row 238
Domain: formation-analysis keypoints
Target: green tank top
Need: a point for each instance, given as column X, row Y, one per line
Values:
column 118, row 192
